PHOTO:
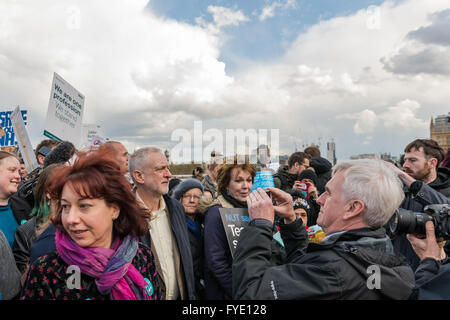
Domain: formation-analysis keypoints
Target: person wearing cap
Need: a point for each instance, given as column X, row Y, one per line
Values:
column 190, row 192
column 301, row 209
column 43, row 149
column 304, row 211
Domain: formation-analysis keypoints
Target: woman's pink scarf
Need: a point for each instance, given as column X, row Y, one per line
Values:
column 112, row 269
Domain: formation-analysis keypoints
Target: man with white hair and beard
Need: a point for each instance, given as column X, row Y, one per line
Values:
column 424, row 182
column 168, row 234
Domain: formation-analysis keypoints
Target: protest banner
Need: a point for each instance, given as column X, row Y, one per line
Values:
column 26, row 150
column 7, row 134
column 65, row 112
column 234, row 220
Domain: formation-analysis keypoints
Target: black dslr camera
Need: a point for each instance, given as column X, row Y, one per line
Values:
column 406, row 221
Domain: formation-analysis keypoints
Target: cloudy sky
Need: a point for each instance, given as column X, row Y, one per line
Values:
column 368, row 74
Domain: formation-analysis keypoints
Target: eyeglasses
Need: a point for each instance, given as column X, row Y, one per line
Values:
column 188, row 196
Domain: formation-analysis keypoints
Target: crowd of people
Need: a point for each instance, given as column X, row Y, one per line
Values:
column 102, row 224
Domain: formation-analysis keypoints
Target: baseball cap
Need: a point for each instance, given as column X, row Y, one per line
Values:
column 44, row 150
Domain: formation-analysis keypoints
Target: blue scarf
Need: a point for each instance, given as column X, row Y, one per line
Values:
column 194, row 227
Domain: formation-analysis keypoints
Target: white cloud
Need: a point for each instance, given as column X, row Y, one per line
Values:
column 425, row 50
column 222, row 17
column 350, row 85
column 366, row 121
column 404, row 116
column 269, row 10
column 129, row 64
column 144, row 76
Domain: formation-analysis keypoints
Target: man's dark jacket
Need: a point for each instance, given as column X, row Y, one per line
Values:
column 322, row 167
column 432, row 280
column 417, row 196
column 283, row 179
column 338, row 268
column 180, row 232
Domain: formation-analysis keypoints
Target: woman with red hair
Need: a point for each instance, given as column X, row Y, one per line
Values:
column 98, row 223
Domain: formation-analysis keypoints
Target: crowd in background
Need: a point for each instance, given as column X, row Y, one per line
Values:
column 104, row 224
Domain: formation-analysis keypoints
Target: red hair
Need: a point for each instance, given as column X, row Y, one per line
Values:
column 97, row 175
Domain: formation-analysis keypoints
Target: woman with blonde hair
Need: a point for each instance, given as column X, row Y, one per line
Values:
column 235, row 182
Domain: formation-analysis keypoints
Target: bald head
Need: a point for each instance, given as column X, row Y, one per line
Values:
column 119, row 152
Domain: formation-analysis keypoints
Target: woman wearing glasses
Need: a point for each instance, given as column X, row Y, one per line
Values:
column 190, row 192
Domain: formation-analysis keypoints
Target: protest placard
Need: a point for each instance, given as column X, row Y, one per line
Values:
column 8, row 136
column 65, row 112
column 89, row 132
column 234, row 220
column 26, row 150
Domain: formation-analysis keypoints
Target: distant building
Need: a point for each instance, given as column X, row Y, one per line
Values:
column 260, row 154
column 386, row 156
column 389, row 158
column 440, row 131
column 167, row 154
column 365, row 156
column 283, row 159
column 331, row 152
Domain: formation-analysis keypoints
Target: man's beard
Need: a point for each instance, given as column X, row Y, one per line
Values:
column 421, row 175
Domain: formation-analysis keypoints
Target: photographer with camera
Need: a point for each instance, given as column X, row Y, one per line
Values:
column 359, row 199
column 433, row 273
column 425, row 183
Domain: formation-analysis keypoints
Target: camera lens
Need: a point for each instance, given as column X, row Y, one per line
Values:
column 405, row 221
column 393, row 223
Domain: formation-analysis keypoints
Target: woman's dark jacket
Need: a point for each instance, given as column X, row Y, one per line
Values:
column 23, row 240
column 218, row 259
column 44, row 244
column 20, row 208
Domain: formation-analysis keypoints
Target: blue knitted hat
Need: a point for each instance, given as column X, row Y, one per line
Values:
column 185, row 186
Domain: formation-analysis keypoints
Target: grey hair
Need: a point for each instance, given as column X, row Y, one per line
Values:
column 374, row 183
column 139, row 160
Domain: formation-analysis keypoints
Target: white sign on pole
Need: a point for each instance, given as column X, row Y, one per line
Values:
column 89, row 132
column 65, row 112
column 26, row 150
